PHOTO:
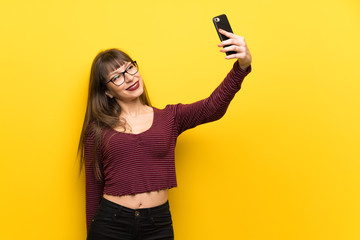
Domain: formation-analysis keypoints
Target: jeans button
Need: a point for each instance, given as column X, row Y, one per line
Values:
column 137, row 213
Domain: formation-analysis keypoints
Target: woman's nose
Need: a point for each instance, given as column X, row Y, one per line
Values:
column 128, row 77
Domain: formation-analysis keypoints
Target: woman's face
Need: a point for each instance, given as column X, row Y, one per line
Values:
column 131, row 84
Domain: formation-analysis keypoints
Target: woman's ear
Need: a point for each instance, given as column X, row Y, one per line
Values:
column 108, row 94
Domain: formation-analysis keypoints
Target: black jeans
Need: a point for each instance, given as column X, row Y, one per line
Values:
column 113, row 221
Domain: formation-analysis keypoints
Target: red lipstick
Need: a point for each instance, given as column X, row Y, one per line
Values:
column 133, row 87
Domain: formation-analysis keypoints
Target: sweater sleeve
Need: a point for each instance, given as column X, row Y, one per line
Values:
column 94, row 187
column 214, row 107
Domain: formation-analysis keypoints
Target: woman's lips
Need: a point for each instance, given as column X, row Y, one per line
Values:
column 133, row 87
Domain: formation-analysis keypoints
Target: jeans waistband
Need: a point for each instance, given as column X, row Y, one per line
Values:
column 157, row 209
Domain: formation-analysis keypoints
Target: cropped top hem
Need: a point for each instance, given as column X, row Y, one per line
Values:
column 146, row 190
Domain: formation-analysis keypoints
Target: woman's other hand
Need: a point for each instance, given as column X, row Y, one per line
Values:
column 238, row 45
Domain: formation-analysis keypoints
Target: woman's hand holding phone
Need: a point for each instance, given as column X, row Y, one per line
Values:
column 238, row 45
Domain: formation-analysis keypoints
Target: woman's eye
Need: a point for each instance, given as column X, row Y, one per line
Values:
column 130, row 67
column 115, row 77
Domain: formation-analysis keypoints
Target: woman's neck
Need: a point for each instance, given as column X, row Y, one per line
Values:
column 133, row 108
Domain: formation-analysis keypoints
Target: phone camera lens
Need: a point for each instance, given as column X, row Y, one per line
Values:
column 217, row 19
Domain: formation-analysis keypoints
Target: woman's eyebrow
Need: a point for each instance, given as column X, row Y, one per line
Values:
column 113, row 73
column 116, row 71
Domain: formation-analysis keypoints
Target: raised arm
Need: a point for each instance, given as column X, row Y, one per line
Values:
column 214, row 107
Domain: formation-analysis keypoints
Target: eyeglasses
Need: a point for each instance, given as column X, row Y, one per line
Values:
column 119, row 78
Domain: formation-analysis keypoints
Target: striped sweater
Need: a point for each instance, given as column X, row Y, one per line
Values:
column 138, row 163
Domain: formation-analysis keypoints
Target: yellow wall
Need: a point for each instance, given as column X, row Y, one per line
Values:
column 282, row 164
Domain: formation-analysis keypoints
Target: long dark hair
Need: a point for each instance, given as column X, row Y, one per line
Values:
column 103, row 112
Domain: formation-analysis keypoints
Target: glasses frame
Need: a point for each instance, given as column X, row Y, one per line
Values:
column 123, row 73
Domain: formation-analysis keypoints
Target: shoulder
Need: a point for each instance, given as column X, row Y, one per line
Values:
column 95, row 132
column 169, row 109
column 90, row 130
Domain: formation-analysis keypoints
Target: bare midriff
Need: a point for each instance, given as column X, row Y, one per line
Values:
column 141, row 200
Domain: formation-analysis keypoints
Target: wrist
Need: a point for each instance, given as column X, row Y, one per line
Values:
column 243, row 66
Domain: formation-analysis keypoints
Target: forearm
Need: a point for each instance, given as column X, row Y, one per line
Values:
column 213, row 107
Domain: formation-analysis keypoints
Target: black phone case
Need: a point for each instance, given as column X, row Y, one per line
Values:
column 222, row 22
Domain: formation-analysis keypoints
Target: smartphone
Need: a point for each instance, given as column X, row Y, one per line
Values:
column 222, row 22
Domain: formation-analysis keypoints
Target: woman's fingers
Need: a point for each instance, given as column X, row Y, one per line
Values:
column 238, row 56
column 228, row 34
column 239, row 49
column 238, row 41
column 237, row 44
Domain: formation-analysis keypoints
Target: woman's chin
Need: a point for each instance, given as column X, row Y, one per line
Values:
column 134, row 96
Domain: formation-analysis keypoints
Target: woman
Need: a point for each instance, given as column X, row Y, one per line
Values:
column 127, row 145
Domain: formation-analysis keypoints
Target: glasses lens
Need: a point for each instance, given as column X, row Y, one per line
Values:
column 132, row 69
column 118, row 79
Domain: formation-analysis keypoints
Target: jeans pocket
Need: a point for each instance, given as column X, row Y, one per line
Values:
column 163, row 225
column 104, row 214
column 162, row 220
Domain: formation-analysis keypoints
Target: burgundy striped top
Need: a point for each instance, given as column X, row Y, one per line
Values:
column 138, row 163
